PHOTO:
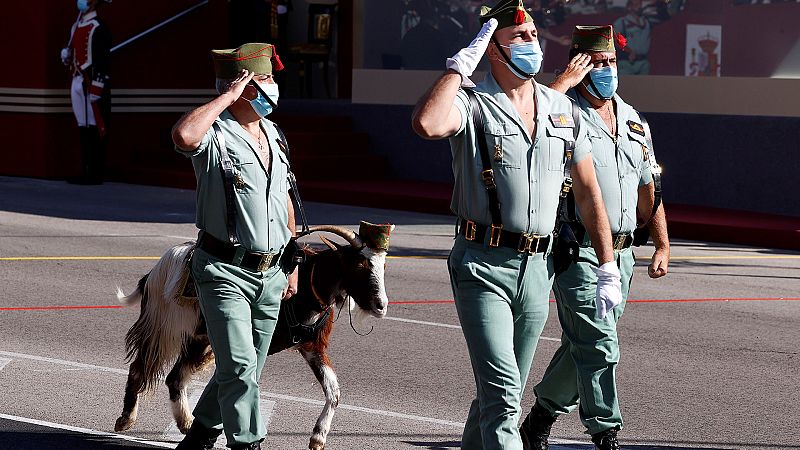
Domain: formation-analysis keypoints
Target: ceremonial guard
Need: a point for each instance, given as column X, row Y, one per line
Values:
column 582, row 372
column 88, row 57
column 246, row 219
column 516, row 146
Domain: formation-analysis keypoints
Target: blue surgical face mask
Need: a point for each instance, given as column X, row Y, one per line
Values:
column 602, row 82
column 266, row 100
column 83, row 5
column 527, row 56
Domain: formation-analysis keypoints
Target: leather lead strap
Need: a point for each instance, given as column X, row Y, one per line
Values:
column 228, row 177
column 487, row 175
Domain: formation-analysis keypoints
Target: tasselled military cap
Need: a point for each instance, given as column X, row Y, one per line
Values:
column 507, row 12
column 595, row 38
column 375, row 236
column 259, row 58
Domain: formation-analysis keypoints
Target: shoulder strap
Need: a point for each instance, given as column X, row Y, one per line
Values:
column 566, row 199
column 655, row 169
column 228, row 179
column 283, row 144
column 487, row 174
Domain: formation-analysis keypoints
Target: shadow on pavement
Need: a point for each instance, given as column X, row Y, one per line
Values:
column 108, row 202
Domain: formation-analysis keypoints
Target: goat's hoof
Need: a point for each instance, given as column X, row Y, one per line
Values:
column 184, row 427
column 316, row 444
column 123, row 424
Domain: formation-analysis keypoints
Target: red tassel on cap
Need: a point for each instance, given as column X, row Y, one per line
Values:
column 519, row 17
column 277, row 65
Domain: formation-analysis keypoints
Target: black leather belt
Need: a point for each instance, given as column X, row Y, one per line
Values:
column 521, row 242
column 224, row 251
column 618, row 241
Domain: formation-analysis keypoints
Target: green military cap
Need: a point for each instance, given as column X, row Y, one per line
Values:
column 375, row 236
column 507, row 12
column 594, row 38
column 257, row 57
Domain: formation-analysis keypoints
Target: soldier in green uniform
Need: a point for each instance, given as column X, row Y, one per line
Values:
column 245, row 219
column 500, row 267
column 582, row 372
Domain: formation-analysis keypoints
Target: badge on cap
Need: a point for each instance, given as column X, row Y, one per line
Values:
column 636, row 127
column 562, row 120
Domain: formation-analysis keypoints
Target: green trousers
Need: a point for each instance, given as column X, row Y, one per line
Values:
column 501, row 297
column 583, row 368
column 241, row 309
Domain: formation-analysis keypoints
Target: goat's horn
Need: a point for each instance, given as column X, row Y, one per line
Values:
column 349, row 235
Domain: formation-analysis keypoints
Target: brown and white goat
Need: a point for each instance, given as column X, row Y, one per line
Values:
column 171, row 329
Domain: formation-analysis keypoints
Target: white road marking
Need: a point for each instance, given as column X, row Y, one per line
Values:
column 422, row 322
column 64, row 362
column 86, row 431
column 172, row 434
column 273, row 395
column 3, row 362
column 377, row 412
column 446, row 325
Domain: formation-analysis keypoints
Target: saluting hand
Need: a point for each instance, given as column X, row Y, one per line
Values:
column 659, row 264
column 576, row 71
column 466, row 60
column 237, row 86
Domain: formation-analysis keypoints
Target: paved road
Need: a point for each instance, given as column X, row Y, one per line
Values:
column 710, row 355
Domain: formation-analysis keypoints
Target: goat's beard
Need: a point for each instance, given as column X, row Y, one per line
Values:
column 357, row 313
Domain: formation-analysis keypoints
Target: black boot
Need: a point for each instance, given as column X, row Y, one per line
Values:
column 199, row 438
column 535, row 429
column 606, row 440
column 251, row 446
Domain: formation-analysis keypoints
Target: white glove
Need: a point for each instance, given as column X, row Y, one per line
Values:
column 609, row 288
column 467, row 59
column 65, row 56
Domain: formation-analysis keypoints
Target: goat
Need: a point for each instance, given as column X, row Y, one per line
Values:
column 171, row 328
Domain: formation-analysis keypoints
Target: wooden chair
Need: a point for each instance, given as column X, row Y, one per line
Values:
column 317, row 49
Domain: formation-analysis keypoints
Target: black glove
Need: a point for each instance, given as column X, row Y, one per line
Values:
column 293, row 255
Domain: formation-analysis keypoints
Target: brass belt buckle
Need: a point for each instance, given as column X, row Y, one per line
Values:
column 494, row 238
column 471, row 230
column 525, row 242
column 265, row 262
column 619, row 241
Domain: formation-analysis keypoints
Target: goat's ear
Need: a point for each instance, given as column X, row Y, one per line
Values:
column 331, row 245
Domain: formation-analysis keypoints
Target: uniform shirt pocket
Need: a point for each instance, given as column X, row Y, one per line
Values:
column 556, row 148
column 242, row 177
column 600, row 157
column 635, row 152
column 280, row 173
column 501, row 140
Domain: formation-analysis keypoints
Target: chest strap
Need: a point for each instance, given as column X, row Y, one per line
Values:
column 655, row 169
column 566, row 200
column 295, row 192
column 487, row 173
column 228, row 180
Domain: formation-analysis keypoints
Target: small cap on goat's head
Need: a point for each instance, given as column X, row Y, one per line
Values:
column 375, row 236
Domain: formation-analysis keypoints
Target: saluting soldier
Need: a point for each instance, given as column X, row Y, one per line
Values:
column 582, row 372
column 509, row 169
column 88, row 57
column 246, row 219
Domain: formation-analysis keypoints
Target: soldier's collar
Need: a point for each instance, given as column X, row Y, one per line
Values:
column 88, row 17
